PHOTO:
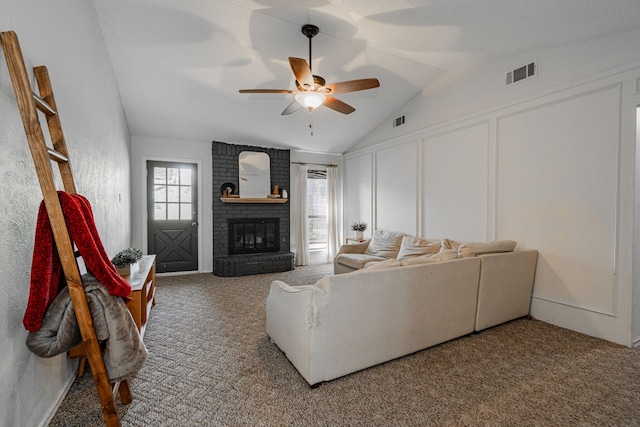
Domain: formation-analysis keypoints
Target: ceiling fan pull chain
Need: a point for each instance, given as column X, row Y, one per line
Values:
column 310, row 67
column 311, row 122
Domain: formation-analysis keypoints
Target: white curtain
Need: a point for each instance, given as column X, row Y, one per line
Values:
column 300, row 226
column 333, row 235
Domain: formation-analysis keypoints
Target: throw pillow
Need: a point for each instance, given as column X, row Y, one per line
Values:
column 449, row 244
column 412, row 247
column 471, row 249
column 384, row 243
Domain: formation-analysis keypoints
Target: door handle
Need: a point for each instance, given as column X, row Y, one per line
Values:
column 194, row 223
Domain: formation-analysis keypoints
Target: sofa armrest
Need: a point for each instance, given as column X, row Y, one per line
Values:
column 290, row 314
column 506, row 283
column 356, row 248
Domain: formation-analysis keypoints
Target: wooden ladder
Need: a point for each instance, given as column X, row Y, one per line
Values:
column 28, row 102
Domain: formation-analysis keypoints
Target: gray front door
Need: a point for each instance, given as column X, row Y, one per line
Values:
column 172, row 214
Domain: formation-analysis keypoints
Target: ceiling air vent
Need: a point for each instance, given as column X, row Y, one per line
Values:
column 524, row 72
column 398, row 121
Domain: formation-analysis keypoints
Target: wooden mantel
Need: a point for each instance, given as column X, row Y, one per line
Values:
column 252, row 200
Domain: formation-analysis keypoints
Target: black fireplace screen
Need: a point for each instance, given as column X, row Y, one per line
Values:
column 253, row 235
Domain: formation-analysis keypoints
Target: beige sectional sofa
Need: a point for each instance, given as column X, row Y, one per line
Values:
column 348, row 322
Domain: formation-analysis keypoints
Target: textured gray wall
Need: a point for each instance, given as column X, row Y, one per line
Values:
column 63, row 35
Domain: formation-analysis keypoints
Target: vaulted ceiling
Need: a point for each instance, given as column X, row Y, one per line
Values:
column 180, row 64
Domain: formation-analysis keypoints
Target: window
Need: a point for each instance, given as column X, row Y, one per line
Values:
column 172, row 194
column 317, row 215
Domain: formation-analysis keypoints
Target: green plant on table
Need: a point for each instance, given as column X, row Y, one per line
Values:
column 126, row 257
column 359, row 226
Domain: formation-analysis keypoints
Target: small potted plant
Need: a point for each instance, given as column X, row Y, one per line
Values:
column 359, row 228
column 126, row 261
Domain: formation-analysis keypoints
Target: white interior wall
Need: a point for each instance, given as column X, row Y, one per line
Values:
column 396, row 185
column 147, row 148
column 455, row 183
column 63, row 35
column 358, row 193
column 549, row 162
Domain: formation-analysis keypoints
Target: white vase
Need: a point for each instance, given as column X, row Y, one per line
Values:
column 359, row 235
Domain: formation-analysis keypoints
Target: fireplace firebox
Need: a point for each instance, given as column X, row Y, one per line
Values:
column 253, row 235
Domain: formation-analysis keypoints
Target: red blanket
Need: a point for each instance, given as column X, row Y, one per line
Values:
column 46, row 270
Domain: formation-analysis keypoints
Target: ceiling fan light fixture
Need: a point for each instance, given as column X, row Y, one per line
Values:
column 310, row 100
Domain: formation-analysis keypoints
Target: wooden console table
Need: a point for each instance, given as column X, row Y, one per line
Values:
column 143, row 291
column 143, row 294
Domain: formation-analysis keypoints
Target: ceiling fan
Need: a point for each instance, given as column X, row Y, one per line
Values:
column 312, row 90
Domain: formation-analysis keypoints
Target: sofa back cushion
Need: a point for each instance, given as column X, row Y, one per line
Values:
column 385, row 243
column 412, row 247
column 470, row 249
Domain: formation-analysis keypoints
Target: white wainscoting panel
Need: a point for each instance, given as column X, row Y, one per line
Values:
column 455, row 184
column 358, row 189
column 557, row 192
column 396, row 188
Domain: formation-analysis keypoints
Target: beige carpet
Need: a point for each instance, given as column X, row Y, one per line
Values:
column 211, row 364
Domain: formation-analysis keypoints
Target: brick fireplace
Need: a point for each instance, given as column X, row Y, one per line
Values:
column 255, row 257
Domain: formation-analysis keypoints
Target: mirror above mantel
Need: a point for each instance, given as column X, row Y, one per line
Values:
column 255, row 180
column 255, row 174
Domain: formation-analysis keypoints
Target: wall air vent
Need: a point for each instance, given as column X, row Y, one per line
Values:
column 398, row 121
column 523, row 72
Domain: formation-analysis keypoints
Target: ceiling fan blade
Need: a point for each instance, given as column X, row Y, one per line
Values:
column 291, row 108
column 302, row 71
column 339, row 106
column 352, row 86
column 265, row 91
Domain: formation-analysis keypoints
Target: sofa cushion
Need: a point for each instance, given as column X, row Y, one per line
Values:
column 384, row 244
column 422, row 259
column 379, row 265
column 469, row 249
column 357, row 260
column 445, row 254
column 412, row 247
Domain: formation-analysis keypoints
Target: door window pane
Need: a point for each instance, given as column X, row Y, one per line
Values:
column 159, row 175
column 185, row 176
column 160, row 193
column 185, row 194
column 173, row 176
column 173, row 194
column 173, row 211
column 160, row 211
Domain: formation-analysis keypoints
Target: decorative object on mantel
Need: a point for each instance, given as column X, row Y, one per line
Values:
column 359, row 228
column 228, row 189
column 126, row 261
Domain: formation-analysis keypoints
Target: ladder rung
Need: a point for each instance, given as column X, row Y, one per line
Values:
column 43, row 106
column 56, row 156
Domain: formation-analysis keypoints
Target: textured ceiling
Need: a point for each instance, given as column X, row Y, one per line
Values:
column 179, row 65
